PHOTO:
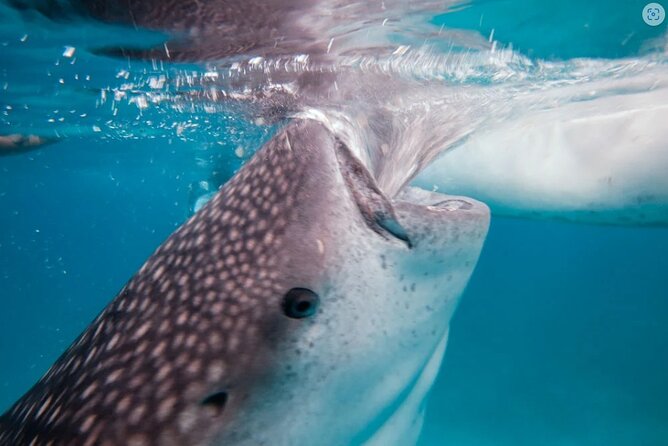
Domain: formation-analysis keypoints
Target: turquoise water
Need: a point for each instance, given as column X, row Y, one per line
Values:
column 560, row 338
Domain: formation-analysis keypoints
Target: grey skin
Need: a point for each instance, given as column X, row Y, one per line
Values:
column 200, row 29
column 199, row 348
column 220, row 29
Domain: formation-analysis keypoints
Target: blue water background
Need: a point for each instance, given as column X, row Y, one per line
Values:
column 560, row 339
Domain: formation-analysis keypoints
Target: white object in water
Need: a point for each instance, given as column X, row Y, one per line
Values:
column 599, row 160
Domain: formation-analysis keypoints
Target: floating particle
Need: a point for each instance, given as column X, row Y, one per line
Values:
column 24, row 38
column 140, row 102
column 69, row 51
column 239, row 152
column 125, row 74
column 96, row 129
column 156, row 82
column 401, row 50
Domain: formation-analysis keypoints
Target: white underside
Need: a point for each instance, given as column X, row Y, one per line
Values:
column 405, row 424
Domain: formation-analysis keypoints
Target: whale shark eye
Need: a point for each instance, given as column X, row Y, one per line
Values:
column 299, row 303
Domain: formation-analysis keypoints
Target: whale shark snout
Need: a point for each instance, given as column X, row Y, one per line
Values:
column 299, row 306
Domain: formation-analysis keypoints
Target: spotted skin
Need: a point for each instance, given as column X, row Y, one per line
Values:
column 192, row 321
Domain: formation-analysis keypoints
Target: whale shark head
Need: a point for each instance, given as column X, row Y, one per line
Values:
column 299, row 306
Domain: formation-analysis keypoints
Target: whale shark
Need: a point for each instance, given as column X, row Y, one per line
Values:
column 300, row 305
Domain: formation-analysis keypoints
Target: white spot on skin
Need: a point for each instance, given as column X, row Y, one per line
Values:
column 89, row 390
column 187, row 421
column 54, row 414
column 141, row 331
column 268, row 238
column 215, row 371
column 159, row 349
column 137, row 382
column 88, row 423
column 194, row 367
column 123, row 405
column 91, row 354
column 321, row 246
column 217, row 308
column 209, row 281
column 163, row 372
column 113, row 341
column 199, row 240
column 158, row 272
column 44, row 406
column 137, row 414
column 183, row 317
column 166, row 407
column 113, row 376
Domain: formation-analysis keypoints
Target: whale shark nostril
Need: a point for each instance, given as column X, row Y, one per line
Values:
column 299, row 303
column 216, row 401
column 451, row 205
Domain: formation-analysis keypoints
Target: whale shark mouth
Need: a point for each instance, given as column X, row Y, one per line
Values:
column 376, row 209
